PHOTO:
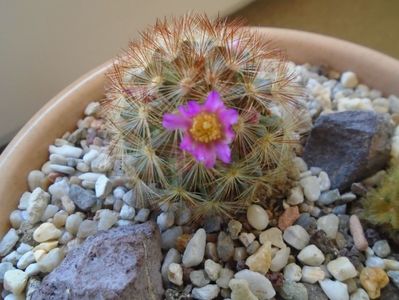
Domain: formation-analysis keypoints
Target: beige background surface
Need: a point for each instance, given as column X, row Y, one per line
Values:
column 372, row 23
column 47, row 44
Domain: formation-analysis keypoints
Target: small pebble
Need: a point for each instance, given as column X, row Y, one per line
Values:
column 208, row 292
column 195, row 250
column 234, row 227
column 199, row 278
column 324, row 180
column 292, row 272
column 329, row 224
column 240, row 290
column 294, row 290
column 334, row 290
column 394, row 275
column 257, row 217
column 359, row 294
column 342, row 269
column 49, row 212
column 311, row 188
column 16, row 219
column 312, row 274
column 246, row 238
column 165, row 220
column 8, row 242
column 296, row 236
column 59, row 218
column 225, row 275
column 170, row 236
column 349, row 79
column 175, row 274
column 288, row 217
column 311, row 256
column 280, row 259
column 357, row 232
column 15, row 281
column 373, row 280
column 87, row 228
column 38, row 202
column 107, row 219
column 329, row 197
column 274, row 236
column 375, row 262
column 296, row 196
column 46, row 232
column 142, row 215
column 261, row 260
column 72, row 223
column 259, row 285
column 48, row 262
column 127, row 213
column 103, row 187
column 225, row 246
column 26, row 260
column 212, row 269
column 4, row 267
column 172, row 256
column 382, row 248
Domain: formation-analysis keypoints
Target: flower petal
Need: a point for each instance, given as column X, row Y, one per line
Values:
column 228, row 116
column 187, row 143
column 175, row 121
column 213, row 102
column 228, row 135
column 190, row 110
column 205, row 154
column 223, row 152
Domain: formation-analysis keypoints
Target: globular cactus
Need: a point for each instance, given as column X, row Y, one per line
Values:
column 381, row 206
column 204, row 113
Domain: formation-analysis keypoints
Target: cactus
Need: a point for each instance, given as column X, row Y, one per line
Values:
column 381, row 206
column 203, row 113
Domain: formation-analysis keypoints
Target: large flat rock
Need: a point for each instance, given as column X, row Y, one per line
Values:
column 121, row 263
column 349, row 146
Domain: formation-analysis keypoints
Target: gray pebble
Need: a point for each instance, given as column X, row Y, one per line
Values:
column 199, row 278
column 87, row 228
column 16, row 219
column 169, row 237
column 329, row 197
column 127, row 212
column 293, row 290
column 72, row 223
column 83, row 199
column 24, row 200
column 129, row 198
column 8, row 242
column 4, row 267
column 49, row 212
column 381, row 248
column 142, row 215
column 225, row 246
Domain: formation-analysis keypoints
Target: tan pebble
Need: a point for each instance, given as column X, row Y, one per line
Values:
column 373, row 280
column 261, row 260
column 289, row 216
column 46, row 246
column 38, row 254
column 356, row 230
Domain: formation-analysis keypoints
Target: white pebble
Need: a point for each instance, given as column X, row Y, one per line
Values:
column 59, row 189
column 46, row 232
column 212, row 269
column 48, row 262
column 16, row 219
column 165, row 220
column 325, row 183
column 107, row 219
column 23, row 248
column 296, row 236
column 24, row 200
column 49, row 212
column 25, row 260
column 38, row 202
column 103, row 187
column 8, row 242
column 208, row 292
column 349, row 79
column 300, row 164
column 32, row 269
column 329, row 224
column 341, row 268
column 257, row 217
column 172, row 256
column 375, row 262
column 195, row 250
column 175, row 274
column 259, row 285
column 58, row 159
column 72, row 223
column 280, row 259
column 382, row 248
column 119, row 192
column 345, row 104
column 66, row 150
column 334, row 290
column 312, row 274
column 127, row 212
column 311, row 187
column 359, row 294
column 92, row 108
column 311, row 256
column 296, row 196
column 240, row 290
column 292, row 272
column 35, row 179
column 62, row 169
column 90, row 177
column 15, row 281
column 89, row 156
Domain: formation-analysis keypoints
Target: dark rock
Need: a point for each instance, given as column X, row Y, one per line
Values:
column 212, row 224
column 349, row 146
column 372, row 236
column 225, row 246
column 315, row 292
column 307, row 222
column 83, row 199
column 121, row 263
column 356, row 257
column 320, row 240
column 359, row 189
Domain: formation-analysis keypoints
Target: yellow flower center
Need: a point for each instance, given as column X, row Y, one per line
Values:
column 206, row 128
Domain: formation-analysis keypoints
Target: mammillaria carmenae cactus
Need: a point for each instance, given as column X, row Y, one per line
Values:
column 203, row 113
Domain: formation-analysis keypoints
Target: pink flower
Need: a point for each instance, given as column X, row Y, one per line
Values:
column 207, row 129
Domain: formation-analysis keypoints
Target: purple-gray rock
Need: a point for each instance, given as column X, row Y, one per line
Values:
column 120, row 263
column 83, row 199
column 349, row 146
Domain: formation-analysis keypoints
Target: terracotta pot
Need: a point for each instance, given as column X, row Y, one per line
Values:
column 29, row 149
